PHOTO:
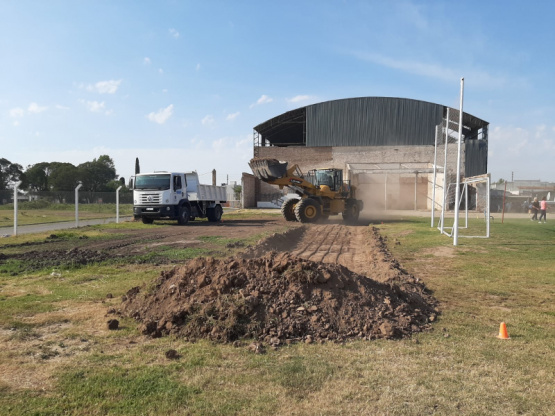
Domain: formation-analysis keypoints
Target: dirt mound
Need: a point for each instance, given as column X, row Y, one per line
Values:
column 276, row 298
column 275, row 242
column 37, row 260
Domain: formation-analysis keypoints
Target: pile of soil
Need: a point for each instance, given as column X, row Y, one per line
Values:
column 38, row 260
column 277, row 298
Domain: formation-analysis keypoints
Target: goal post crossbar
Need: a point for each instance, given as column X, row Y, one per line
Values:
column 482, row 202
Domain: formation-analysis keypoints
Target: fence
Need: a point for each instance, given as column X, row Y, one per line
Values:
column 66, row 197
column 51, row 207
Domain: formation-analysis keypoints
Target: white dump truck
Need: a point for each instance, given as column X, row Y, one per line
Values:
column 179, row 196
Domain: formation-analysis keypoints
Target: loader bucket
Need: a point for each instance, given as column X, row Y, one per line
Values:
column 267, row 169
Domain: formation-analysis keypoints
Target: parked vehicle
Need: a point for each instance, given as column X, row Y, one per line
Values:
column 179, row 196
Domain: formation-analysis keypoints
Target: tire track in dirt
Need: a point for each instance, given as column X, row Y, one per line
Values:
column 351, row 246
column 327, row 243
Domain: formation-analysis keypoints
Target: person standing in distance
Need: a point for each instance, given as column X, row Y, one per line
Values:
column 543, row 210
column 535, row 209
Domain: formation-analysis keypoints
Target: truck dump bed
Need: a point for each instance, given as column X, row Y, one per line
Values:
column 210, row 193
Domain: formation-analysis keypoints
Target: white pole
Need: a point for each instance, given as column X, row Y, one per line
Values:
column 77, row 204
column 487, row 205
column 457, row 190
column 117, row 204
column 385, row 188
column 445, row 170
column 415, row 186
column 16, row 185
column 434, row 178
column 466, row 205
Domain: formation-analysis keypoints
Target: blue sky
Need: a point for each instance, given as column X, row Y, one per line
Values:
column 181, row 84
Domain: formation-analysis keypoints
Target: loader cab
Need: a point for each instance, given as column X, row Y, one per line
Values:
column 330, row 177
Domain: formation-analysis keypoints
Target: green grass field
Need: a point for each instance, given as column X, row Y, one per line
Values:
column 36, row 213
column 58, row 358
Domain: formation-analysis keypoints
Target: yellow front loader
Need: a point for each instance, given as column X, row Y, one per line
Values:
column 321, row 193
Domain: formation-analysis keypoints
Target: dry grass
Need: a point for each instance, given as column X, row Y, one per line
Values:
column 64, row 360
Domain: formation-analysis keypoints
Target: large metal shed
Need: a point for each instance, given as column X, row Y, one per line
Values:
column 370, row 135
column 374, row 121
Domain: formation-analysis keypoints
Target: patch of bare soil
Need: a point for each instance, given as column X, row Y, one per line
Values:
column 281, row 297
column 57, row 251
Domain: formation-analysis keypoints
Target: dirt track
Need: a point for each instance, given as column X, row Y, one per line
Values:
column 321, row 282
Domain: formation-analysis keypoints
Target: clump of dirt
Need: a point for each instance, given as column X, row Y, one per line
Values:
column 275, row 242
column 276, row 298
column 37, row 260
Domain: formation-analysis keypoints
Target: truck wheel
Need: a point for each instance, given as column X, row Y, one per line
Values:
column 183, row 215
column 308, row 210
column 214, row 214
column 147, row 220
column 288, row 209
column 351, row 212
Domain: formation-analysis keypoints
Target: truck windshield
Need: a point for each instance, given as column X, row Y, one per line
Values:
column 152, row 182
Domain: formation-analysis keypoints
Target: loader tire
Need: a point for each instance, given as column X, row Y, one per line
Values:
column 288, row 209
column 351, row 212
column 308, row 210
column 184, row 214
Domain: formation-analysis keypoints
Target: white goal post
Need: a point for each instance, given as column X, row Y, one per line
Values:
column 474, row 199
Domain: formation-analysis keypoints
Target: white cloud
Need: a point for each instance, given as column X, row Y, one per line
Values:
column 523, row 152
column 162, row 115
column 198, row 67
column 174, row 33
column 146, row 61
column 299, row 98
column 61, row 107
column 233, row 116
column 264, row 99
column 431, row 70
column 94, row 106
column 246, row 141
column 104, row 87
column 219, row 144
column 16, row 112
column 160, row 71
column 208, row 120
column 35, row 108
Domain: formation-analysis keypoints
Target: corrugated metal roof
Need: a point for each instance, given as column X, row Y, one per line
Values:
column 372, row 121
column 363, row 121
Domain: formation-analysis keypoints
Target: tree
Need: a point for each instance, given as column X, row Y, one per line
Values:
column 237, row 191
column 37, row 176
column 10, row 173
column 113, row 185
column 97, row 174
column 63, row 177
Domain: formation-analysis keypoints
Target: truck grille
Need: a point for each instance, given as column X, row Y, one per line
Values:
column 150, row 199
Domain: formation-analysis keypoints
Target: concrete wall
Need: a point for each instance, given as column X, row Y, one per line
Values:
column 248, row 194
column 378, row 191
column 252, row 188
column 338, row 157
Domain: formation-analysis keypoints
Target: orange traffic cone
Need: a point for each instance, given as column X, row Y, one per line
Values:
column 503, row 334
